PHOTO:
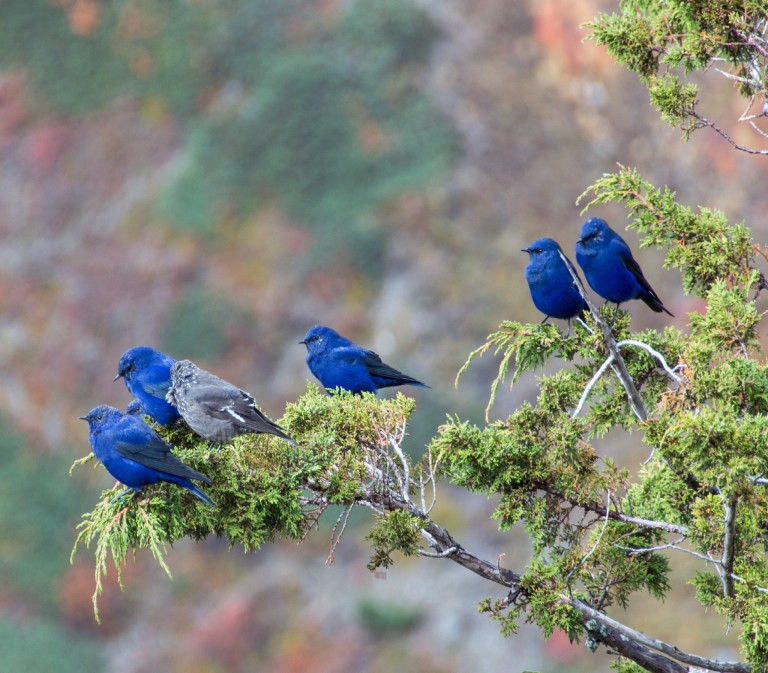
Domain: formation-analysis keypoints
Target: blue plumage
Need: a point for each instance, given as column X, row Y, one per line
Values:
column 339, row 363
column 135, row 455
column 610, row 269
column 147, row 374
column 552, row 288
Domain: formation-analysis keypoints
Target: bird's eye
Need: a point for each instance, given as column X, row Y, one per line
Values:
column 319, row 339
column 98, row 418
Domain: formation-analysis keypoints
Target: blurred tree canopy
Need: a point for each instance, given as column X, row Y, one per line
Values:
column 33, row 552
column 323, row 112
column 36, row 535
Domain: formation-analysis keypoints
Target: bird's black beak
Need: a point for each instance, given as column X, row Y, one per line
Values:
column 525, row 250
column 117, row 377
column 303, row 342
column 581, row 240
column 83, row 418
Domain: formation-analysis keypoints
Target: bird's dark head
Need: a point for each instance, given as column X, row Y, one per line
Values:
column 183, row 370
column 134, row 409
column 319, row 339
column 593, row 232
column 139, row 358
column 102, row 417
column 542, row 250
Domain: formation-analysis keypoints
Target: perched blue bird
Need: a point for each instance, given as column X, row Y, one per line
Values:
column 135, row 455
column 610, row 269
column 134, row 408
column 147, row 374
column 552, row 288
column 339, row 363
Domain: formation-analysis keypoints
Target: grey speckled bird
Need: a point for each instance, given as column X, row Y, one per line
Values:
column 214, row 408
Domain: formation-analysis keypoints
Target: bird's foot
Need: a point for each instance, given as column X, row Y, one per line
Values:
column 121, row 496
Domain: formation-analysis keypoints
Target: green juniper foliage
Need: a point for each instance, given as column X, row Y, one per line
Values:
column 599, row 533
column 658, row 38
column 260, row 483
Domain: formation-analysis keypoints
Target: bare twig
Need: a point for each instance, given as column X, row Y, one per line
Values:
column 597, row 542
column 762, row 590
column 655, row 353
column 442, row 554
column 434, row 480
column 707, row 559
column 643, row 550
column 754, row 126
column 647, row 550
column 591, row 384
column 406, row 481
column 736, row 78
column 729, row 537
column 335, row 540
column 703, row 121
column 625, row 518
column 585, row 326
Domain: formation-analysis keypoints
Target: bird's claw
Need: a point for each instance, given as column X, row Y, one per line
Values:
column 120, row 496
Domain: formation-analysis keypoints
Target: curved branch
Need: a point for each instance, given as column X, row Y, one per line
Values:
column 618, row 365
column 655, row 353
column 703, row 121
column 591, row 385
column 629, row 643
column 599, row 508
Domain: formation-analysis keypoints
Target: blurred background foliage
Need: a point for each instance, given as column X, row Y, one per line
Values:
column 324, row 116
column 213, row 177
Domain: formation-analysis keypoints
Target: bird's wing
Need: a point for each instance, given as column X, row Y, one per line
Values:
column 228, row 403
column 156, row 381
column 354, row 355
column 634, row 268
column 143, row 446
column 382, row 370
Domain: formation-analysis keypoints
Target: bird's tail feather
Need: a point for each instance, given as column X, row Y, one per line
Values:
column 279, row 432
column 655, row 305
column 186, row 483
column 382, row 382
column 194, row 489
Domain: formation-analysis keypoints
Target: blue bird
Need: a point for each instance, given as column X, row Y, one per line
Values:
column 552, row 288
column 134, row 408
column 610, row 269
column 147, row 374
column 135, row 455
column 339, row 363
